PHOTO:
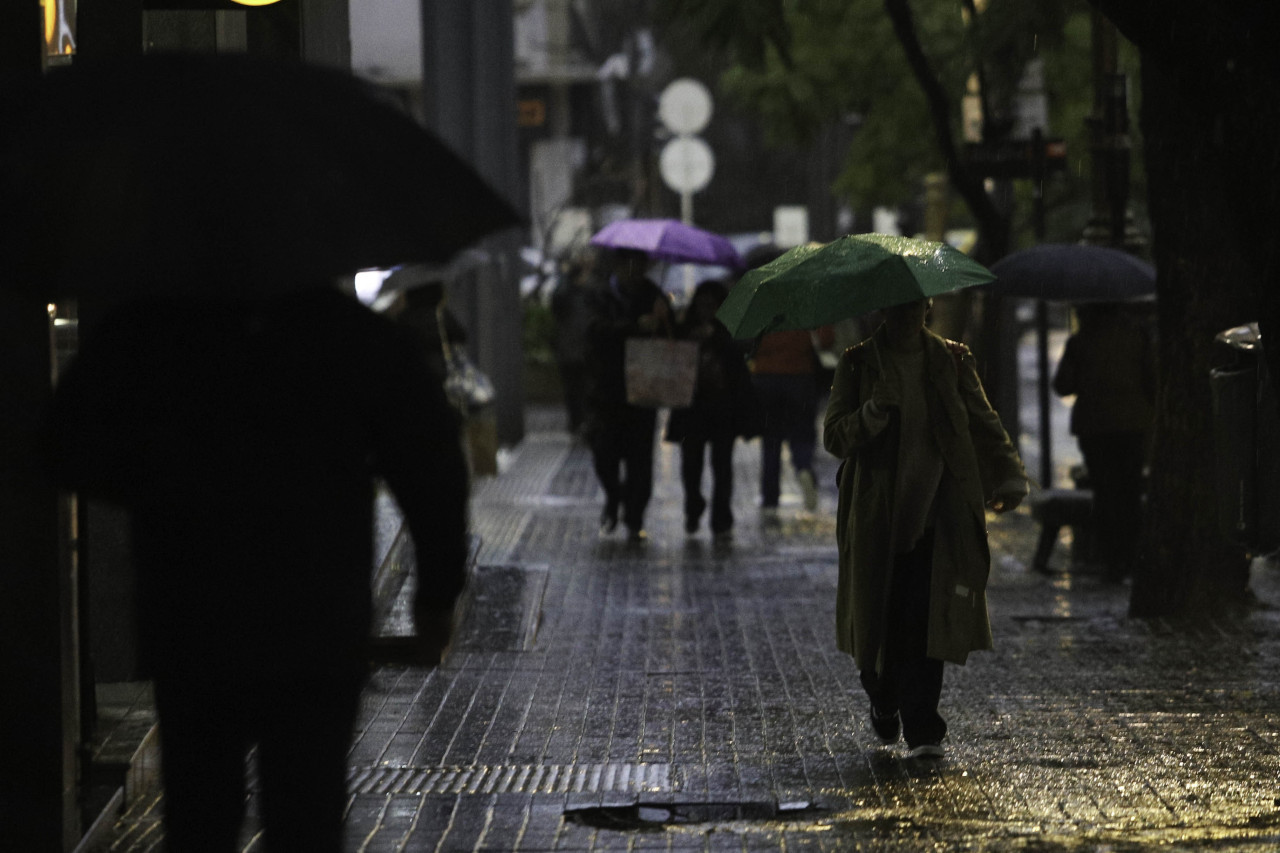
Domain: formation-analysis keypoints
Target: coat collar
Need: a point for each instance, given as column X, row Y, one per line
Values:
column 937, row 352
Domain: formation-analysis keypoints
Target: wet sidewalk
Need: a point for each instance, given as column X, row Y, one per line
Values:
column 683, row 694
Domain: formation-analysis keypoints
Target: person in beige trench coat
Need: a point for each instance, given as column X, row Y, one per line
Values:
column 924, row 456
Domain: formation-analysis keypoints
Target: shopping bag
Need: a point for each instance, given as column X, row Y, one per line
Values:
column 465, row 384
column 661, row 372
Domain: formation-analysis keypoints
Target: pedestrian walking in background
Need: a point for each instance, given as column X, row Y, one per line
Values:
column 570, row 308
column 723, row 409
column 787, row 375
column 244, row 440
column 1109, row 365
column 923, row 456
column 621, row 436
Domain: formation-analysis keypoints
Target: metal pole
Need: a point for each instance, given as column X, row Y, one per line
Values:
column 686, row 216
column 1042, row 356
column 1042, row 320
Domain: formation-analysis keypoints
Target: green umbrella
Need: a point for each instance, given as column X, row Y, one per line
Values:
column 813, row 285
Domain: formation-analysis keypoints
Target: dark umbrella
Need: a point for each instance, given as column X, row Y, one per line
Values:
column 1062, row 272
column 1068, row 272
column 228, row 175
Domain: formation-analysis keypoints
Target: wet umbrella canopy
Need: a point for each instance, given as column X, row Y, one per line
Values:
column 1063, row 272
column 669, row 240
column 811, row 286
column 227, row 175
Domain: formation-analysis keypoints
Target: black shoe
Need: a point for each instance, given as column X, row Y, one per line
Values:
column 636, row 535
column 608, row 520
column 693, row 510
column 888, row 728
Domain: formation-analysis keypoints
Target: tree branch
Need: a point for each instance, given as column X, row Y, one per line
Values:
column 992, row 224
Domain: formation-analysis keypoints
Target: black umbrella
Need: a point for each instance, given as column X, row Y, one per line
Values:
column 226, row 175
column 1063, row 272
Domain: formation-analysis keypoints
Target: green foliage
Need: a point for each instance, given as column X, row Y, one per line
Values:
column 1069, row 81
column 537, row 330
column 845, row 63
column 747, row 28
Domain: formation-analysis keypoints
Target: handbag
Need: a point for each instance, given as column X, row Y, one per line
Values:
column 466, row 385
column 660, row 372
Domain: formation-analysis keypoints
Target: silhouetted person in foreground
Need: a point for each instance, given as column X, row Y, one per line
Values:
column 245, row 439
column 924, row 457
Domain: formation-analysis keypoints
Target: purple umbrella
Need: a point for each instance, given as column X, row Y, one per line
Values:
column 669, row 240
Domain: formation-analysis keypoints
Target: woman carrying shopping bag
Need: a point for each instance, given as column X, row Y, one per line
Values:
column 722, row 409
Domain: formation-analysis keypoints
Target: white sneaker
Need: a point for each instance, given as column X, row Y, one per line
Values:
column 809, row 489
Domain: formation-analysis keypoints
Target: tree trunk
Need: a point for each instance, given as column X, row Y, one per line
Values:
column 993, row 224
column 991, row 344
column 1205, row 286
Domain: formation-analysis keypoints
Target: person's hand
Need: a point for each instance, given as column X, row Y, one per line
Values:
column 702, row 332
column 885, row 395
column 661, row 310
column 1008, row 496
column 657, row 319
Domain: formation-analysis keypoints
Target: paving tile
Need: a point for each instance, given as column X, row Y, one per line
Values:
column 680, row 671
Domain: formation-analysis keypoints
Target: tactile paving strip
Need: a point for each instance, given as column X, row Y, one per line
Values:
column 514, row 779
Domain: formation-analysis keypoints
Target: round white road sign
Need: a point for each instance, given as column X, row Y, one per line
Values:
column 685, row 106
column 687, row 164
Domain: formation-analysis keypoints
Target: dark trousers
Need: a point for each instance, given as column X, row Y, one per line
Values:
column 573, row 379
column 911, row 681
column 622, row 451
column 1115, row 463
column 789, row 405
column 302, row 728
column 692, row 455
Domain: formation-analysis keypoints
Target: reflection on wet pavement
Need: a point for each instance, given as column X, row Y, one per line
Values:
column 686, row 694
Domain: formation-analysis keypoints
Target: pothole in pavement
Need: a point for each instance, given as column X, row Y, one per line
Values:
column 661, row 815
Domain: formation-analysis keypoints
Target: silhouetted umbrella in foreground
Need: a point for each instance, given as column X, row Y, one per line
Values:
column 225, row 175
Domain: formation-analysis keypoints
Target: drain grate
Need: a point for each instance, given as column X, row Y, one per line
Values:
column 503, row 608
column 513, row 778
column 660, row 815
